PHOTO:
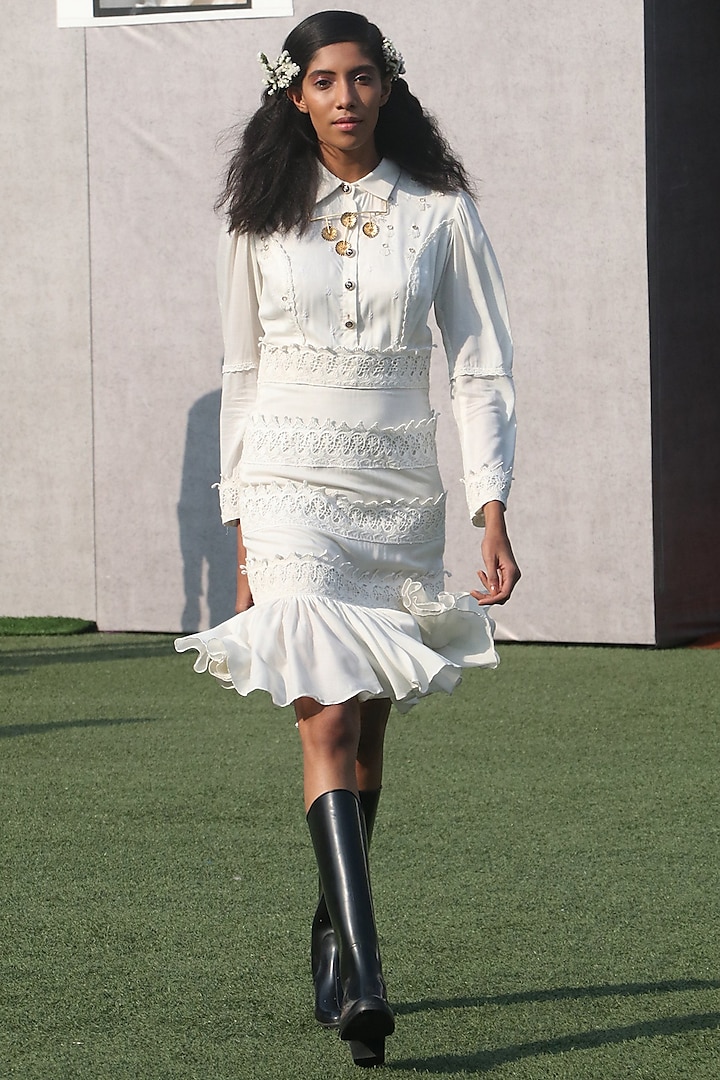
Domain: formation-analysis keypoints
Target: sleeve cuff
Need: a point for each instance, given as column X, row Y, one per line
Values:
column 491, row 482
column 229, row 491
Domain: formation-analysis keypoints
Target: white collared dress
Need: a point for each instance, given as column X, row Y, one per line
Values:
column 328, row 455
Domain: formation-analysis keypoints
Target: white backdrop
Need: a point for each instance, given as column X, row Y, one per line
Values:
column 111, row 349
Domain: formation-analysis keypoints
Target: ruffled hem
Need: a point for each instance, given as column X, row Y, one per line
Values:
column 329, row 650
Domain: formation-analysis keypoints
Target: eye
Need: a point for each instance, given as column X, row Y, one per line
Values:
column 321, row 84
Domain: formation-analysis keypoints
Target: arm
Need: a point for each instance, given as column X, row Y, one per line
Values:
column 472, row 315
column 501, row 573
column 243, row 597
column 238, row 293
column 484, row 409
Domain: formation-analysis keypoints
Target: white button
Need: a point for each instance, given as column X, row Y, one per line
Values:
column 346, row 188
column 349, row 284
column 350, row 252
column 349, row 325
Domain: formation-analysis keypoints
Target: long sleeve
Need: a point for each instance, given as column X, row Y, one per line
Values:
column 238, row 292
column 471, row 311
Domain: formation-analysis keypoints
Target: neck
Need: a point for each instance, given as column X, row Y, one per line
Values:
column 349, row 167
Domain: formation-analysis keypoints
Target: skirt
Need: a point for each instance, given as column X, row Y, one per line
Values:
column 343, row 517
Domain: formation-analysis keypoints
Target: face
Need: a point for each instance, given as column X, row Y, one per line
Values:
column 342, row 93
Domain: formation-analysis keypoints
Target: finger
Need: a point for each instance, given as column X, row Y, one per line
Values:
column 491, row 577
column 491, row 580
column 501, row 594
column 498, row 594
column 484, row 599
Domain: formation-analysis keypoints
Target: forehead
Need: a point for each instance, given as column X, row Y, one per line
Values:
column 343, row 56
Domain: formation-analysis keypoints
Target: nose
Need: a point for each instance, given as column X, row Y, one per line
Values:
column 347, row 95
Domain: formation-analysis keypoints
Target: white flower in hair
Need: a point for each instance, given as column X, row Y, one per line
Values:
column 394, row 63
column 279, row 76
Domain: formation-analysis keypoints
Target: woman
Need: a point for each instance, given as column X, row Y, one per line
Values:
column 349, row 218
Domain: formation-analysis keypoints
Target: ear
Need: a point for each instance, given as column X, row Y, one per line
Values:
column 386, row 91
column 295, row 95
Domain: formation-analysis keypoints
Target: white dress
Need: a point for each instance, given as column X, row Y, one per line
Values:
column 328, row 453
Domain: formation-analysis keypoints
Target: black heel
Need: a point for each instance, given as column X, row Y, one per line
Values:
column 368, row 1054
column 325, row 969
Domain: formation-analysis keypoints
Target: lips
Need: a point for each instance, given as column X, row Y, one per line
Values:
column 347, row 123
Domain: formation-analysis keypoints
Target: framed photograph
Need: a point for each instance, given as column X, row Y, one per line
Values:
column 135, row 12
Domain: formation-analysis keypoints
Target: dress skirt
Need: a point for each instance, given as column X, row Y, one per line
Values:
column 343, row 517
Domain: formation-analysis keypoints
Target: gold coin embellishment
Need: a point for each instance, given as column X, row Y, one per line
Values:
column 348, row 220
column 341, row 247
column 370, row 228
column 329, row 232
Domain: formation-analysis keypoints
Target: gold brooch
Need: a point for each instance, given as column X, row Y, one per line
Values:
column 349, row 219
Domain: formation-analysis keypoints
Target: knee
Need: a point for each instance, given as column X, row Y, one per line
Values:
column 333, row 731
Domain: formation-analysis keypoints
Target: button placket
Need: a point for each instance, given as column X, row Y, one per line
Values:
column 350, row 301
column 349, row 295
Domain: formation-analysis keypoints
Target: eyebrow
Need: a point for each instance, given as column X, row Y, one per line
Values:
column 355, row 71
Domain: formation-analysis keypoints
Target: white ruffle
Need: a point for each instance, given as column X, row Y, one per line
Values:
column 311, row 646
column 454, row 625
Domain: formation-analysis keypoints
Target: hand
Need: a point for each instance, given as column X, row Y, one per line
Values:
column 243, row 597
column 501, row 573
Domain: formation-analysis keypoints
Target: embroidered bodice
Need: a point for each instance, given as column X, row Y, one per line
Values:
column 297, row 311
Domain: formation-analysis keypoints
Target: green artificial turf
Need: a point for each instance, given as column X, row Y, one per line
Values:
column 34, row 625
column 546, row 867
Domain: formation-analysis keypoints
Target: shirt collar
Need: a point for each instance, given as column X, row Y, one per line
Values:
column 380, row 182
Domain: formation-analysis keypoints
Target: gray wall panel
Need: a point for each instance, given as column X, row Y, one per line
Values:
column 545, row 101
column 45, row 424
column 552, row 121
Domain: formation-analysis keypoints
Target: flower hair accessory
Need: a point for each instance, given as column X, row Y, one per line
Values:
column 394, row 63
column 279, row 76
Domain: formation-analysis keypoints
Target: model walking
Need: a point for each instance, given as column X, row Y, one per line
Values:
column 349, row 218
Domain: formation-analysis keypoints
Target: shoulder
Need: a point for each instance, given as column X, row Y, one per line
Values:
column 234, row 246
column 455, row 206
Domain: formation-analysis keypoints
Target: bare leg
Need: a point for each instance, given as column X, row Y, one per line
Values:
column 330, row 736
column 369, row 763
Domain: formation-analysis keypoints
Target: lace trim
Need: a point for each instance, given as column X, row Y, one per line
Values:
column 240, row 366
column 229, row 491
column 303, row 506
column 272, row 439
column 479, row 373
column 334, row 579
column 482, row 485
column 403, row 368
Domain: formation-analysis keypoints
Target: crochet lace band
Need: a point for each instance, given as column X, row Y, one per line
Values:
column 377, row 369
column 284, row 440
column 300, row 505
column 331, row 578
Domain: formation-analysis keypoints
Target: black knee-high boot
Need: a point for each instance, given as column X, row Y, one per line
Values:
column 338, row 835
column 324, row 949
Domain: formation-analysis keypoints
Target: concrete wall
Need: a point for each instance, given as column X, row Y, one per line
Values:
column 46, row 491
column 545, row 102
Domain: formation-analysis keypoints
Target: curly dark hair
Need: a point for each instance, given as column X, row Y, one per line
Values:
column 272, row 178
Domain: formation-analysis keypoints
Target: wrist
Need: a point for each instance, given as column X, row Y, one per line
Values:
column 493, row 513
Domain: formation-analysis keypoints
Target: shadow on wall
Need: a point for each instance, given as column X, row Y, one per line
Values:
column 208, row 548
